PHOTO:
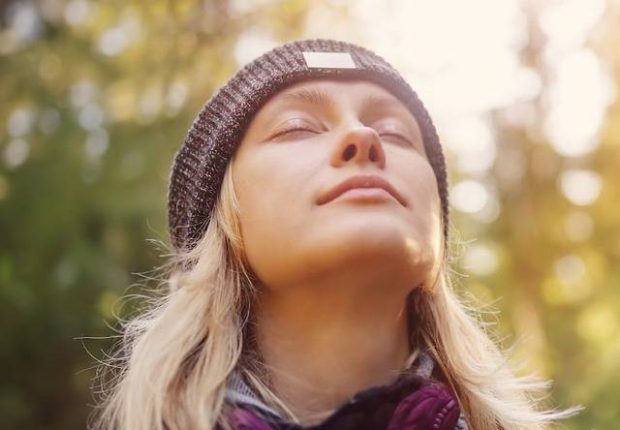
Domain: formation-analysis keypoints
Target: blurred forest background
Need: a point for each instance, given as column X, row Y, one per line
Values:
column 96, row 97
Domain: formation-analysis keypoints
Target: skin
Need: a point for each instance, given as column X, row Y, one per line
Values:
column 330, row 313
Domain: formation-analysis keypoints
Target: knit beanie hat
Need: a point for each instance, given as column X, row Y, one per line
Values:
column 200, row 163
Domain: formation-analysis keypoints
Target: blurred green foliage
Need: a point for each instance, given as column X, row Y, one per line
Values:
column 96, row 98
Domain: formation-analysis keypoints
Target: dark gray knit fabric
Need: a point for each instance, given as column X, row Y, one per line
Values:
column 200, row 163
column 239, row 393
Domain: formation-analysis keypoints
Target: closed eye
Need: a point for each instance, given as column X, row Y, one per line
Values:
column 295, row 126
column 293, row 130
column 398, row 137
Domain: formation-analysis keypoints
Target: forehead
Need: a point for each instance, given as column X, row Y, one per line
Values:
column 333, row 92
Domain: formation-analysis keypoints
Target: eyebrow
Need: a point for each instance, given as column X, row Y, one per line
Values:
column 322, row 99
column 310, row 96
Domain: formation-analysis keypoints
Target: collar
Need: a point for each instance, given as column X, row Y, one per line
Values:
column 422, row 387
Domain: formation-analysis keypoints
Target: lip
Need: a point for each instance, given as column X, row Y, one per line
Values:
column 360, row 181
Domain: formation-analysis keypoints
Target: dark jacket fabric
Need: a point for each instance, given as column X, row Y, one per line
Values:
column 417, row 400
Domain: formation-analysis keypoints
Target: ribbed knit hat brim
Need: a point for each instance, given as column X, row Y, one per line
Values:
column 200, row 163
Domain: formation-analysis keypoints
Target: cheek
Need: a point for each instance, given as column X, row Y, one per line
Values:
column 275, row 199
column 267, row 186
column 432, row 213
column 424, row 201
column 427, row 192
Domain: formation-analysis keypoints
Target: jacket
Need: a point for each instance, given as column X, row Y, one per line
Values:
column 417, row 400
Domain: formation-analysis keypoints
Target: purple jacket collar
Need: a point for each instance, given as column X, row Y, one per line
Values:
column 415, row 401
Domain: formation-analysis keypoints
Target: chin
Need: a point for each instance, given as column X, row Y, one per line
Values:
column 371, row 240
column 373, row 231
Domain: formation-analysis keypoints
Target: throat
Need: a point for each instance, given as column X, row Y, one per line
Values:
column 320, row 358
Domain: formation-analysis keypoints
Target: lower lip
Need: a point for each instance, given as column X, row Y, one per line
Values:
column 366, row 194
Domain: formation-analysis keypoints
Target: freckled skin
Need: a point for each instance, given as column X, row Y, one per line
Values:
column 288, row 237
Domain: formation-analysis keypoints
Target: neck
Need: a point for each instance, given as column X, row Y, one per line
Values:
column 326, row 340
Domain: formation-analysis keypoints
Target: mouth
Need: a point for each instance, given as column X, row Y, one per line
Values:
column 364, row 186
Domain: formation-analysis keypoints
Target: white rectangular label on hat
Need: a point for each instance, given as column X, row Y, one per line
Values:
column 329, row 60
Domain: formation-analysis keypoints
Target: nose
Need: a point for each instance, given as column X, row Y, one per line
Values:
column 359, row 145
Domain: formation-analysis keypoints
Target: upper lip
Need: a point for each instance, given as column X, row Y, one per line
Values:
column 361, row 181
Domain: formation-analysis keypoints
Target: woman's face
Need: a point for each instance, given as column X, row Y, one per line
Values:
column 299, row 221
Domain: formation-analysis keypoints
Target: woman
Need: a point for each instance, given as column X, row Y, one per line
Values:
column 308, row 285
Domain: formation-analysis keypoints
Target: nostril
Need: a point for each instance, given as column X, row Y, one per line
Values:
column 349, row 152
column 372, row 155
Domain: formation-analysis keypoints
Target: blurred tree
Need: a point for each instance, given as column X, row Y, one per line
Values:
column 96, row 98
column 557, row 234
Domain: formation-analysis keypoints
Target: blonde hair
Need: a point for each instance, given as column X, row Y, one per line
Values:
column 174, row 359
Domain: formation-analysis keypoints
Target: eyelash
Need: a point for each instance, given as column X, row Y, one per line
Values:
column 291, row 130
column 398, row 136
